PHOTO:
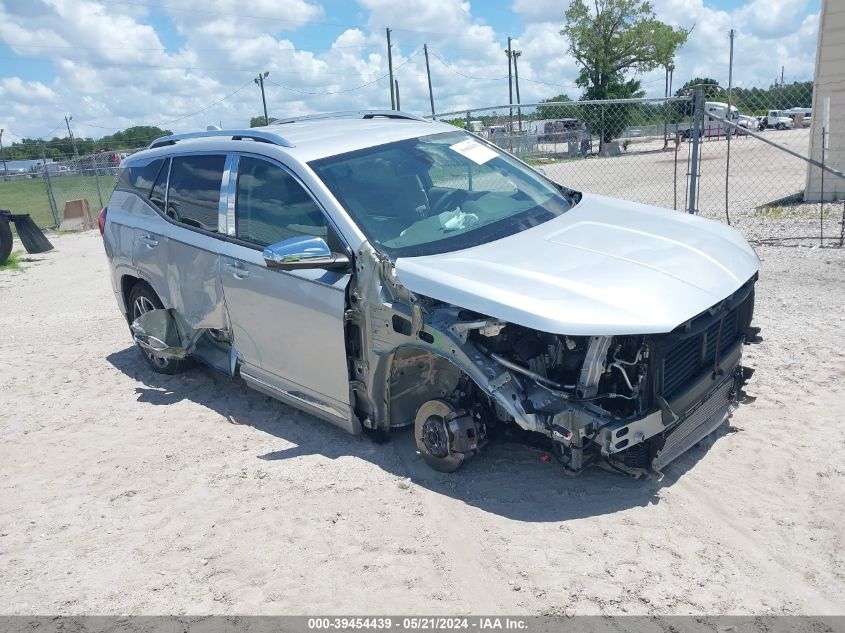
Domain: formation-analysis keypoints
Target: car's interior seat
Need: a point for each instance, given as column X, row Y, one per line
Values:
column 386, row 202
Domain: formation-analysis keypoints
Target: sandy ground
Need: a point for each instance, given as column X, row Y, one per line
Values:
column 122, row 491
column 760, row 175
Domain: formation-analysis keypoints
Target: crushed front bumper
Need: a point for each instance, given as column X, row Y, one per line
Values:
column 676, row 426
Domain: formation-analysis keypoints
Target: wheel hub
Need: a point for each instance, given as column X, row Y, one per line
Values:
column 434, row 436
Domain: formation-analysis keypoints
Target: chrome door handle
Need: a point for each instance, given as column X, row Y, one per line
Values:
column 149, row 240
column 238, row 271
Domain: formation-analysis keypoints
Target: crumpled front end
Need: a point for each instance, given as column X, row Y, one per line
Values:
column 635, row 402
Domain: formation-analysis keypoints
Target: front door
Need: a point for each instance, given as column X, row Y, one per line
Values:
column 287, row 326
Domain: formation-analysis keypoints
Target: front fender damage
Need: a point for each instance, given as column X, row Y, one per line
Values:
column 596, row 398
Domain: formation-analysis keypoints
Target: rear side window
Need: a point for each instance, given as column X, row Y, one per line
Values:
column 139, row 179
column 272, row 206
column 157, row 195
column 193, row 196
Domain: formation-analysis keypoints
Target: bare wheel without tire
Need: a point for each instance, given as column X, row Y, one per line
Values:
column 142, row 299
column 435, row 439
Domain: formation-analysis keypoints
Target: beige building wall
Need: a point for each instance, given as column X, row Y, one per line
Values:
column 829, row 82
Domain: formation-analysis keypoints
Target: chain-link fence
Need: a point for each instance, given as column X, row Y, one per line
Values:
column 748, row 167
column 740, row 157
column 42, row 187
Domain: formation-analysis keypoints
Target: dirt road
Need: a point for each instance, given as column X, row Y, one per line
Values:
column 122, row 491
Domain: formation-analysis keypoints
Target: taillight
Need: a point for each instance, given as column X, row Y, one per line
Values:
column 101, row 220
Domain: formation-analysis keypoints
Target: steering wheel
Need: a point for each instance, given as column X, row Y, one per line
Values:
column 448, row 201
column 172, row 213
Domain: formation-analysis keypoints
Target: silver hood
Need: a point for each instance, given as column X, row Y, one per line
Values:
column 605, row 267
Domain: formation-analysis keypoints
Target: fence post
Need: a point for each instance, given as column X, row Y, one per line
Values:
column 697, row 107
column 51, row 199
column 97, row 179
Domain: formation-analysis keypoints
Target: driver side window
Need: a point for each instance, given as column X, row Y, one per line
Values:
column 271, row 206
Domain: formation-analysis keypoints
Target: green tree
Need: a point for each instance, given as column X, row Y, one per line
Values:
column 258, row 121
column 608, row 40
column 710, row 88
column 558, row 112
column 131, row 137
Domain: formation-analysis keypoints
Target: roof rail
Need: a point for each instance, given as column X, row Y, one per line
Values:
column 352, row 114
column 260, row 136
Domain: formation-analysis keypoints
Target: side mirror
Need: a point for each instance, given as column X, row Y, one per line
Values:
column 541, row 171
column 304, row 252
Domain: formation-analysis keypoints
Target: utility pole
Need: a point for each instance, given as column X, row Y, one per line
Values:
column 68, row 119
column 396, row 85
column 730, row 132
column 390, row 71
column 5, row 169
column 260, row 81
column 516, row 55
column 428, row 72
column 510, row 83
column 666, row 112
column 781, row 76
column 697, row 116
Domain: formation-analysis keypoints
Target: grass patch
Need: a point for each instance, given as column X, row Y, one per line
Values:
column 13, row 263
column 30, row 196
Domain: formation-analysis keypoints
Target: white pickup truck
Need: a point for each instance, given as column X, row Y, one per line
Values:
column 778, row 120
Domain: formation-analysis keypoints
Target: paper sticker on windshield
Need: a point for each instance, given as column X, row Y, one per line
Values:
column 474, row 150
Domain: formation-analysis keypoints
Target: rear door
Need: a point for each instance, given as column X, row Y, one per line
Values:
column 149, row 251
column 194, row 204
column 288, row 327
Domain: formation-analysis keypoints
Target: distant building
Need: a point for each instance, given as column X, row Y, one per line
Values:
column 829, row 82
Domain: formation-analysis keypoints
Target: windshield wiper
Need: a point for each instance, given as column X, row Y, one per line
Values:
column 573, row 196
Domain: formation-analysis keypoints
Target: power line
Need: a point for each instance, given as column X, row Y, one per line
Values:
column 231, row 94
column 53, row 130
column 458, row 72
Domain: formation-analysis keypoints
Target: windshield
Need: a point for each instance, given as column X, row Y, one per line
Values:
column 439, row 193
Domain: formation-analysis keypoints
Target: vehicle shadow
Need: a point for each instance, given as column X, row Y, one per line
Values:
column 510, row 479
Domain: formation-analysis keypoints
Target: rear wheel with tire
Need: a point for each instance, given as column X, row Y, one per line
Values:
column 5, row 240
column 142, row 299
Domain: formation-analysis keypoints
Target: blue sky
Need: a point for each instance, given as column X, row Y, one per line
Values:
column 185, row 63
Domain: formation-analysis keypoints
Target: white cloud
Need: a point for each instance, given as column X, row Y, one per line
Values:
column 111, row 69
column 541, row 10
column 767, row 19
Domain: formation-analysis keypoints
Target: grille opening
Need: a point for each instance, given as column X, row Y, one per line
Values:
column 697, row 353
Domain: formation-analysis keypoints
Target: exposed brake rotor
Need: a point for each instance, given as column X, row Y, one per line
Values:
column 434, row 437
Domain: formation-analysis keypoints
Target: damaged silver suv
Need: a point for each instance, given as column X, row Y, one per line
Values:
column 377, row 270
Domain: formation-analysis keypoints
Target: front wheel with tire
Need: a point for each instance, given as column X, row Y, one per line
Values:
column 781, row 126
column 143, row 299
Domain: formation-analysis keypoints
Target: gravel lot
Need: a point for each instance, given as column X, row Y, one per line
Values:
column 122, row 491
column 762, row 176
